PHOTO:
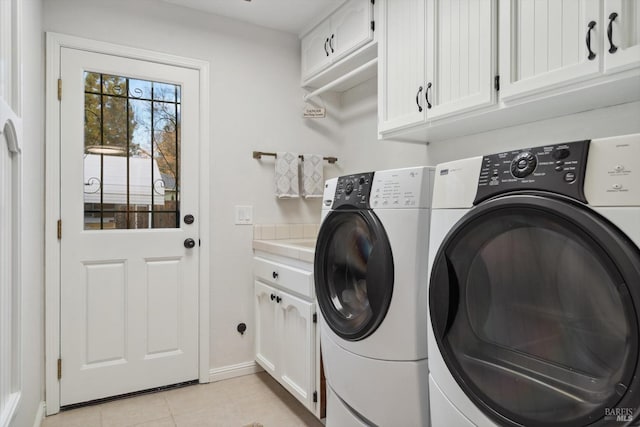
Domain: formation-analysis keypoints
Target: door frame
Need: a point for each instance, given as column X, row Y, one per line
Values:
column 54, row 43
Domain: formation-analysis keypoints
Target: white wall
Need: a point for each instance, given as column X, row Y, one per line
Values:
column 617, row 120
column 32, row 214
column 256, row 104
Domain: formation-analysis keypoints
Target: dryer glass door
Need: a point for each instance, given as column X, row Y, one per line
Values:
column 353, row 273
column 532, row 304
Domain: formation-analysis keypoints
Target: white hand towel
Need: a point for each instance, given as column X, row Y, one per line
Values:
column 286, row 175
column 312, row 176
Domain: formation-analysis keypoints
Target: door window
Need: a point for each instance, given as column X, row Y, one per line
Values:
column 132, row 141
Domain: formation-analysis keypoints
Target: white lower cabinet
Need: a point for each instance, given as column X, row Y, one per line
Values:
column 285, row 339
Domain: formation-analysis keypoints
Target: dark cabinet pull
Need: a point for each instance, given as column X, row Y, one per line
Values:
column 278, row 299
column 325, row 46
column 189, row 243
column 426, row 93
column 612, row 47
column 418, row 99
column 273, row 296
column 331, row 43
column 274, row 274
column 592, row 55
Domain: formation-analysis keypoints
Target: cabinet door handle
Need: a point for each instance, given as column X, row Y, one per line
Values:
column 274, row 274
column 273, row 296
column 592, row 55
column 612, row 47
column 278, row 299
column 331, row 42
column 418, row 99
column 426, row 95
column 325, row 46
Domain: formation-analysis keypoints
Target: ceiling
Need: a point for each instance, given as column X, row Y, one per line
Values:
column 291, row 16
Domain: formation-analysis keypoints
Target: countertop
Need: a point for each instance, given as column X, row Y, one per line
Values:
column 301, row 249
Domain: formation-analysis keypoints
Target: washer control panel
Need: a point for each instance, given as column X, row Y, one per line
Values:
column 558, row 168
column 353, row 190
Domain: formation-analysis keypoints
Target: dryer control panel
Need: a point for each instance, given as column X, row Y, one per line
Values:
column 353, row 190
column 558, row 168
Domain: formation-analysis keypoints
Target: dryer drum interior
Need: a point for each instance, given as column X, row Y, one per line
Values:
column 353, row 273
column 533, row 304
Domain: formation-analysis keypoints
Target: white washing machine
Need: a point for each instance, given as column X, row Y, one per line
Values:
column 534, row 288
column 370, row 278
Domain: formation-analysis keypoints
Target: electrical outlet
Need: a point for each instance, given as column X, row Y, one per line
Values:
column 244, row 215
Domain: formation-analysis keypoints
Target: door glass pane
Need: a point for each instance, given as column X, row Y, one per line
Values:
column 131, row 157
column 541, row 330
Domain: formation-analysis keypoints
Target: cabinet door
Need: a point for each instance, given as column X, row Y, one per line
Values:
column 297, row 340
column 401, row 64
column 461, row 56
column 350, row 28
column 546, row 44
column 622, row 35
column 266, row 339
column 315, row 50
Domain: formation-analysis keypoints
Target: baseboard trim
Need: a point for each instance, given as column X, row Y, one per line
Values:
column 232, row 371
column 37, row 422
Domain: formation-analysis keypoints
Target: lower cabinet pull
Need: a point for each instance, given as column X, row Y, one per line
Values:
column 274, row 274
column 426, row 93
column 278, row 299
column 325, row 46
column 418, row 99
column 612, row 47
column 592, row 55
column 331, row 43
column 273, row 296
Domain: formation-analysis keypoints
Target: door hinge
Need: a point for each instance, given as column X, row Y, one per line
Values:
column 59, row 368
column 59, row 229
column 315, row 396
column 373, row 25
column 496, row 82
column 59, row 89
column 315, row 317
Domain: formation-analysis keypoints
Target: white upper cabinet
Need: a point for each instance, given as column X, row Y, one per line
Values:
column 622, row 38
column 401, row 64
column 461, row 56
column 315, row 50
column 545, row 44
column 338, row 35
column 350, row 27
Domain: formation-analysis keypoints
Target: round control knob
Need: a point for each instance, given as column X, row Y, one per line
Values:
column 361, row 181
column 523, row 164
column 349, row 188
column 561, row 153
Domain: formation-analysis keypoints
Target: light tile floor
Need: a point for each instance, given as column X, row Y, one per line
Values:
column 237, row 402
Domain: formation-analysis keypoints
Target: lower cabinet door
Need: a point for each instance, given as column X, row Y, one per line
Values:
column 266, row 338
column 297, row 352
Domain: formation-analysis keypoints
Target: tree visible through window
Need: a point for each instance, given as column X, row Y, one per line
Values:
column 131, row 157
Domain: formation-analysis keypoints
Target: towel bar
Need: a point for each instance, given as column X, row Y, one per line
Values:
column 259, row 154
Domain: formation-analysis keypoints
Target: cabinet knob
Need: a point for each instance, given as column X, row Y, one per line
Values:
column 189, row 243
column 275, row 274
column 612, row 47
column 592, row 54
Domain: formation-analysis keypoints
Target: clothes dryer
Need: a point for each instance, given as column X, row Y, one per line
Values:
column 535, row 287
column 370, row 282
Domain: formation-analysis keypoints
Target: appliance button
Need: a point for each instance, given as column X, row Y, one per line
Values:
column 617, row 186
column 361, row 181
column 559, row 163
column 349, row 188
column 559, row 168
column 569, row 177
column 561, row 153
column 618, row 168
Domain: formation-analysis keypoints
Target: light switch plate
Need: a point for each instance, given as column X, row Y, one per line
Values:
column 244, row 215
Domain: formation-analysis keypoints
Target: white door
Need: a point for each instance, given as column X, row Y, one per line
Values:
column 401, row 65
column 545, row 44
column 622, row 38
column 350, row 28
column 297, row 367
column 315, row 50
column 461, row 56
column 266, row 336
column 129, row 176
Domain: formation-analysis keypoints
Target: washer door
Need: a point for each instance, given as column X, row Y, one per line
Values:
column 532, row 302
column 353, row 273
